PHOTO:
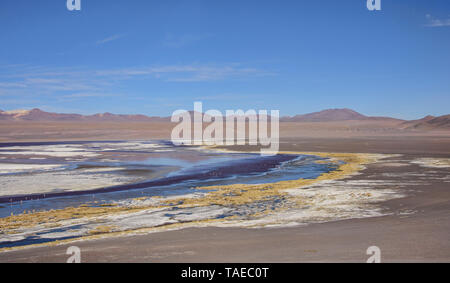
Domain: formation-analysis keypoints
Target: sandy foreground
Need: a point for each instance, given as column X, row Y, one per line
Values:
column 416, row 227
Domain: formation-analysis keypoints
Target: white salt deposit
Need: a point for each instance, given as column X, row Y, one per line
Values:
column 433, row 162
column 19, row 168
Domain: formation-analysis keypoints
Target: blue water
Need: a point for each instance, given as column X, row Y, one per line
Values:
column 181, row 160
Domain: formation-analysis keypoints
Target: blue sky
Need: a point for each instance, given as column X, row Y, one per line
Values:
column 153, row 57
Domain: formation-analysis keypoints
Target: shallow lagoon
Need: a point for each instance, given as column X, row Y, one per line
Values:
column 45, row 170
column 62, row 175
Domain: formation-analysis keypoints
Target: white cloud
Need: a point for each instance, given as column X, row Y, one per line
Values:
column 433, row 22
column 108, row 39
column 89, row 94
column 187, row 73
column 29, row 82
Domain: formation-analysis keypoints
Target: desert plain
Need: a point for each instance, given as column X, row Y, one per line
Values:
column 414, row 226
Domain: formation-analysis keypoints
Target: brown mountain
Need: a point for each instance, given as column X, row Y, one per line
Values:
column 329, row 115
column 428, row 123
column 37, row 115
column 3, row 115
column 109, row 117
column 441, row 121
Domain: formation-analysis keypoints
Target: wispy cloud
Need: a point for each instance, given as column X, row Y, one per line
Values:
column 35, row 81
column 89, row 94
column 12, row 85
column 109, row 39
column 433, row 22
column 229, row 96
column 188, row 73
column 29, row 82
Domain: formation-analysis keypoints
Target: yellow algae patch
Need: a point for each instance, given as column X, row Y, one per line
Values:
column 240, row 194
column 231, row 195
column 102, row 229
column 53, row 216
column 94, row 236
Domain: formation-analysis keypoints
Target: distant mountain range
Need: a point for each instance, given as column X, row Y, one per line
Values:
column 329, row 115
column 39, row 115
